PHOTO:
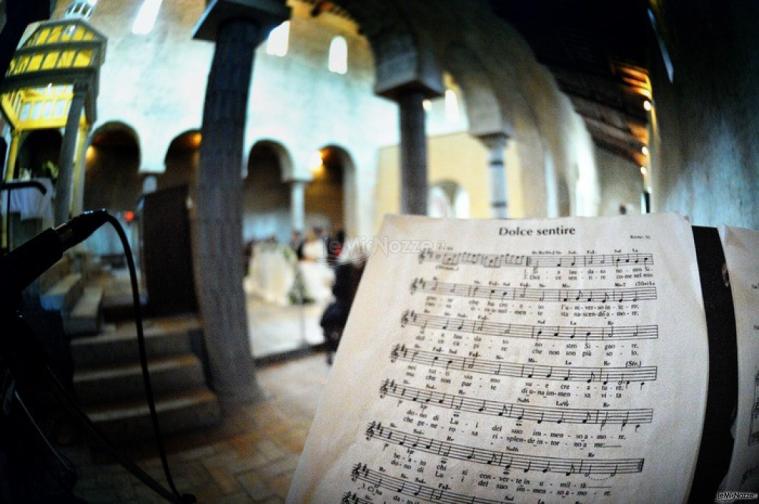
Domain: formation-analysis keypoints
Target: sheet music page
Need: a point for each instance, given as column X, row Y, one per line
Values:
column 740, row 247
column 530, row 361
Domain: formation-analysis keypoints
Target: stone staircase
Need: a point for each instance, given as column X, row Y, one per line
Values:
column 97, row 314
column 63, row 290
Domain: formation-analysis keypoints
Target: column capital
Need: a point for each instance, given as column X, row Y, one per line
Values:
column 396, row 92
column 495, row 140
column 402, row 65
column 265, row 13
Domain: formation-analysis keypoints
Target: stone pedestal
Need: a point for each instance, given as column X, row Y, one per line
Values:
column 496, row 145
column 237, row 26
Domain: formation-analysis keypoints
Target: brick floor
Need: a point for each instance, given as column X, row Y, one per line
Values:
column 251, row 457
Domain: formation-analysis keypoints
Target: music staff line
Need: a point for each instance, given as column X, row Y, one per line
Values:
column 532, row 261
column 416, row 490
column 527, row 463
column 519, row 412
column 621, row 295
column 604, row 375
column 412, row 318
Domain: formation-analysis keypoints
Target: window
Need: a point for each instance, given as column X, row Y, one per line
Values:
column 278, row 40
column 146, row 16
column 451, row 105
column 338, row 55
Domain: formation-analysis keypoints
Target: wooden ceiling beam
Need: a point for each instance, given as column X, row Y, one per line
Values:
column 585, row 107
column 606, row 91
column 616, row 150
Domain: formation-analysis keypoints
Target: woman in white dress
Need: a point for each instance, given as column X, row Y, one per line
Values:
column 316, row 274
column 271, row 273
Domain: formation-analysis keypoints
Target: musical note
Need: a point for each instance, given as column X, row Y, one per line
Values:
column 508, row 260
column 488, row 328
column 516, row 460
column 635, row 294
column 566, row 373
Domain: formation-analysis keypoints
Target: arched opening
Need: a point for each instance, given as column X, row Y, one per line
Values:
column 278, row 41
column 338, row 55
column 330, row 196
column 112, row 163
column 447, row 199
column 266, row 199
column 39, row 154
column 112, row 181
column 182, row 160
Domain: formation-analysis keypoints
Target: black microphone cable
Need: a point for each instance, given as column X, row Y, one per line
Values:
column 30, row 260
column 144, row 357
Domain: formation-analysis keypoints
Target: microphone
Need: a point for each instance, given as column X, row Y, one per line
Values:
column 24, row 264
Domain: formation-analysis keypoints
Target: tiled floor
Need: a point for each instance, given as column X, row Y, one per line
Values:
column 277, row 329
column 251, row 457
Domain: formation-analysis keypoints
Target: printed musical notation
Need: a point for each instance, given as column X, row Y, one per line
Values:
column 536, row 332
column 352, row 498
column 507, row 460
column 519, row 412
column 621, row 295
column 604, row 375
column 534, row 376
column 423, row 492
column 531, row 261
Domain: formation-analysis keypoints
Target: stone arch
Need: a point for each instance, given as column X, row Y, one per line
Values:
column 284, row 158
column 484, row 112
column 341, row 185
column 181, row 160
column 112, row 163
column 265, row 193
column 401, row 54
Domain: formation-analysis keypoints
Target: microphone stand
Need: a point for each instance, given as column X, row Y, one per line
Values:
column 26, row 362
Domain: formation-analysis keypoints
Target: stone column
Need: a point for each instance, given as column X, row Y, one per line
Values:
column 298, row 204
column 68, row 151
column 496, row 145
column 10, row 164
column 80, row 170
column 237, row 26
column 413, row 150
column 10, row 159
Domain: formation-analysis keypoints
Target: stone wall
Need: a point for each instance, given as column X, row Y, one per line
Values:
column 156, row 83
column 705, row 156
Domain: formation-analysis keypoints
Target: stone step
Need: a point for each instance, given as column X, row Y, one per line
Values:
column 86, row 316
column 118, row 307
column 62, row 296
column 167, row 375
column 130, row 420
column 163, row 337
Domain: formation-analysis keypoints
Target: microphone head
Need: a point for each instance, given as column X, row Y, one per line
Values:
column 81, row 227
